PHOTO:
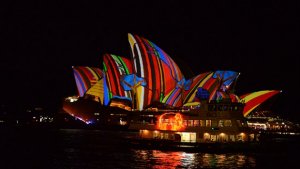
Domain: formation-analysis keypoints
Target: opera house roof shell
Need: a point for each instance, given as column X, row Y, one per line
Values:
column 150, row 77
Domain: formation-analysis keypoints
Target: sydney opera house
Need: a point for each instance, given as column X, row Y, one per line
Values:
column 148, row 92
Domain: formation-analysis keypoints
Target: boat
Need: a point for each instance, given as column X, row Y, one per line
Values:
column 211, row 122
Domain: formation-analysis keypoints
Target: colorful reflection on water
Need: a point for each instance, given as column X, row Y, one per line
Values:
column 160, row 159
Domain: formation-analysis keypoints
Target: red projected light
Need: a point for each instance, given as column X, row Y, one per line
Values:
column 170, row 121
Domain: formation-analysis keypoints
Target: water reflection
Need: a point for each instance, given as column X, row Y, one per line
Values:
column 226, row 160
column 161, row 159
column 90, row 149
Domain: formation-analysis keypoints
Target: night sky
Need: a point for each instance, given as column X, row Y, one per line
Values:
column 40, row 42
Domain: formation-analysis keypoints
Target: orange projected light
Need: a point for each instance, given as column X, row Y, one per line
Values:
column 170, row 121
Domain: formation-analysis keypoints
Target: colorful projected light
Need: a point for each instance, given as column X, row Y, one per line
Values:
column 170, row 121
column 150, row 78
column 253, row 100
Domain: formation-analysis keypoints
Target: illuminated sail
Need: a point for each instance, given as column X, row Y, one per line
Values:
column 196, row 82
column 204, row 81
column 252, row 100
column 85, row 78
column 226, row 78
column 160, row 72
column 97, row 90
column 174, row 98
column 216, row 84
column 114, row 68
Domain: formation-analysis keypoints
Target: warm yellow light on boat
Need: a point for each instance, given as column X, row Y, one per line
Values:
column 206, row 134
column 222, row 134
column 242, row 134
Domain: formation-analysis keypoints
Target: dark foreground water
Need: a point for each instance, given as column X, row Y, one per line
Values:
column 89, row 149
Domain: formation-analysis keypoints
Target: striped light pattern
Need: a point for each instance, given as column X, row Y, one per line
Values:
column 197, row 82
column 215, row 83
column 114, row 68
column 159, row 71
column 151, row 76
column 252, row 100
column 86, row 77
column 174, row 98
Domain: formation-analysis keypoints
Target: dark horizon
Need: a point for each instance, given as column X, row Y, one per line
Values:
column 41, row 42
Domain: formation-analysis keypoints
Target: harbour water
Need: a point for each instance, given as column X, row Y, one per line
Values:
column 92, row 149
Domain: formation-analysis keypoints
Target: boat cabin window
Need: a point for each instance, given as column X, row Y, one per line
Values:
column 185, row 122
column 188, row 137
column 220, row 107
column 196, row 123
column 190, row 123
column 202, row 123
column 213, row 138
column 235, row 108
column 225, row 107
column 214, row 123
column 208, row 123
column 227, row 123
column 212, row 108
column 221, row 123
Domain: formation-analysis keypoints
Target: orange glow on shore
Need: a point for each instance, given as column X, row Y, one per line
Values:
column 170, row 121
